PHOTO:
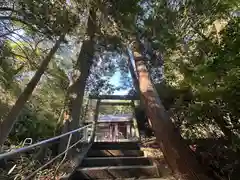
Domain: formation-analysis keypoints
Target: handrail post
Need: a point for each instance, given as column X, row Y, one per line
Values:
column 27, row 148
column 86, row 134
column 135, row 124
column 65, row 155
column 95, row 120
column 68, row 144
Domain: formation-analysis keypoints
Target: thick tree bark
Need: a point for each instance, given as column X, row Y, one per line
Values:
column 84, row 63
column 136, row 86
column 11, row 118
column 76, row 90
column 133, row 74
column 176, row 152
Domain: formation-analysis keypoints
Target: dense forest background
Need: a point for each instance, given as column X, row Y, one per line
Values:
column 54, row 53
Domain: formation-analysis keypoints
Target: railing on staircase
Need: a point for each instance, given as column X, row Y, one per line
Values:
column 85, row 137
column 86, row 134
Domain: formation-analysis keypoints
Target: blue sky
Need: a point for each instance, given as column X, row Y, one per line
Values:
column 115, row 80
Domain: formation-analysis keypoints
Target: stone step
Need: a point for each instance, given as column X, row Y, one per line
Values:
column 115, row 146
column 76, row 177
column 114, row 153
column 115, row 161
column 157, row 178
column 116, row 172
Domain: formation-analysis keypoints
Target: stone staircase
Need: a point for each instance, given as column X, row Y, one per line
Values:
column 119, row 160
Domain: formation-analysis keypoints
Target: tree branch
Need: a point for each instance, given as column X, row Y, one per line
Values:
column 6, row 34
column 20, row 47
column 7, row 9
column 12, row 18
column 237, row 126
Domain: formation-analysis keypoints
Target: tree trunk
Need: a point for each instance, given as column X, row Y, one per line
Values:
column 11, row 118
column 84, row 63
column 176, row 152
column 136, row 85
column 133, row 74
column 76, row 90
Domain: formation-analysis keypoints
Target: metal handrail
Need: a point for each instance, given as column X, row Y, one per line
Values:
column 27, row 148
column 52, row 160
column 85, row 138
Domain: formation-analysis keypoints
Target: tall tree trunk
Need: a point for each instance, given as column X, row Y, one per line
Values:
column 177, row 153
column 136, row 85
column 11, row 118
column 133, row 74
column 76, row 90
column 84, row 63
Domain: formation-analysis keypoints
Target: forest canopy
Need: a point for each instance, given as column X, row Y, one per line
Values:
column 54, row 53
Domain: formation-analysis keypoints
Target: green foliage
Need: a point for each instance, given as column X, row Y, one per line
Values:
column 116, row 109
column 198, row 41
column 33, row 123
column 47, row 17
column 6, row 69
